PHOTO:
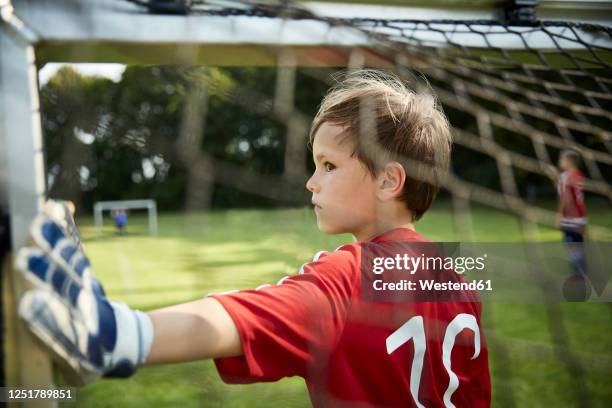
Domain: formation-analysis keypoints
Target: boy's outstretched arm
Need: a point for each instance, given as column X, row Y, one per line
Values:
column 193, row 331
column 92, row 336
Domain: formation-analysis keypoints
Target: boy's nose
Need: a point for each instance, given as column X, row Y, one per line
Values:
column 311, row 185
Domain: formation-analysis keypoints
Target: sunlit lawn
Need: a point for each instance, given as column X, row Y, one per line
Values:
column 195, row 254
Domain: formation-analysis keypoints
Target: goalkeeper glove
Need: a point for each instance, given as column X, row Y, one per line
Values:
column 68, row 310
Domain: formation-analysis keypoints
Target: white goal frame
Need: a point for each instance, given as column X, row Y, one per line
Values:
column 149, row 205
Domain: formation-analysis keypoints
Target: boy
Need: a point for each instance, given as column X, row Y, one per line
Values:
column 315, row 324
column 571, row 207
column 121, row 218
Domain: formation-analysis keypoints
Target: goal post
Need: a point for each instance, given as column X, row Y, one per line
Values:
column 149, row 205
column 22, row 187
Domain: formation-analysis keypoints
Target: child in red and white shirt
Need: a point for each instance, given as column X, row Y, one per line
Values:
column 572, row 209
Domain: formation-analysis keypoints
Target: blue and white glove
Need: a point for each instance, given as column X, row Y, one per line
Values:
column 68, row 310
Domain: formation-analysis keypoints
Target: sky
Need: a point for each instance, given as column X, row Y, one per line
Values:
column 111, row 71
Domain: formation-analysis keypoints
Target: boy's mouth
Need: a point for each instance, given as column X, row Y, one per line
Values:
column 315, row 205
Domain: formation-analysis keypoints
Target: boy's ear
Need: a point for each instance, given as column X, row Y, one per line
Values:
column 391, row 181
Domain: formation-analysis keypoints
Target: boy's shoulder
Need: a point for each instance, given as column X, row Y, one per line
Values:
column 577, row 175
column 346, row 261
column 353, row 249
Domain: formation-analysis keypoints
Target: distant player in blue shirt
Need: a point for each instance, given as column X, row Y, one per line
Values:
column 121, row 219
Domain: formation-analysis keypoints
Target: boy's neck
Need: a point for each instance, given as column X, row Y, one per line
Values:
column 375, row 231
column 391, row 218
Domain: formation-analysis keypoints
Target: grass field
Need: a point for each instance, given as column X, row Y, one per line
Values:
column 200, row 253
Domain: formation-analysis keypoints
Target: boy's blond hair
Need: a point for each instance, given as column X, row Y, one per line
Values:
column 387, row 121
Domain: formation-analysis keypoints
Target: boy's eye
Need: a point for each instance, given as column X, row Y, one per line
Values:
column 328, row 166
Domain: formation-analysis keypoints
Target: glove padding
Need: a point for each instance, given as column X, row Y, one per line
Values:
column 68, row 310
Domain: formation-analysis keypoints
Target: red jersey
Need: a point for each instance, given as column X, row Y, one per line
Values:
column 356, row 353
column 570, row 191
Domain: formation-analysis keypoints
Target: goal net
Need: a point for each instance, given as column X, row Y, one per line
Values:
column 516, row 96
column 516, row 92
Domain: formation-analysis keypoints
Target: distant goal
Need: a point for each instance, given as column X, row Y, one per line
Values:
column 149, row 205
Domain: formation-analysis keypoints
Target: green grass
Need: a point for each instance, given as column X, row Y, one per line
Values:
column 195, row 254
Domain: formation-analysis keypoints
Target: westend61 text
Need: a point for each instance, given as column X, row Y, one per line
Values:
column 430, row 284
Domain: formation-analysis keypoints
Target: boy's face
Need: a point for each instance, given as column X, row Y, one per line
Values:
column 343, row 190
column 565, row 163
